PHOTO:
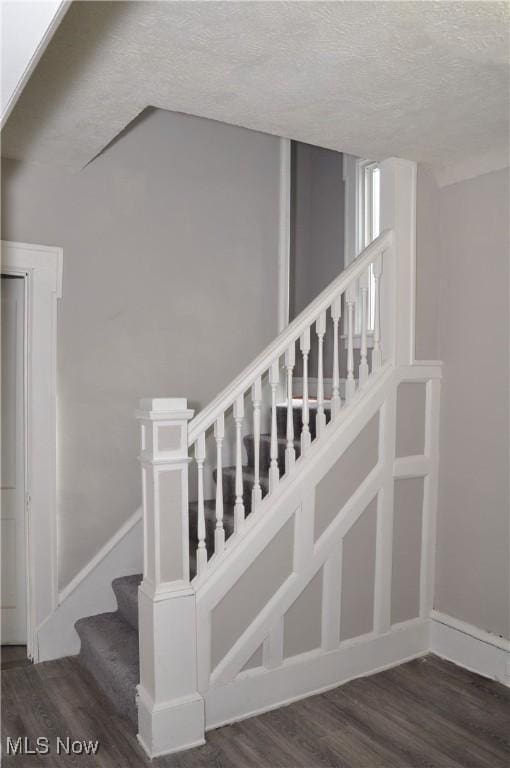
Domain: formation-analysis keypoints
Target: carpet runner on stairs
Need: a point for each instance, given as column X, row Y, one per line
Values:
column 109, row 641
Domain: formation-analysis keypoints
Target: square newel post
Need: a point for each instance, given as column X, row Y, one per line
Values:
column 170, row 709
column 398, row 279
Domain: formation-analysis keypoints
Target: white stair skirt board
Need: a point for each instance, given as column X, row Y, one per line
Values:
column 469, row 647
column 90, row 592
column 259, row 690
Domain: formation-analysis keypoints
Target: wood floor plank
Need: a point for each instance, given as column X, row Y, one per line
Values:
column 424, row 714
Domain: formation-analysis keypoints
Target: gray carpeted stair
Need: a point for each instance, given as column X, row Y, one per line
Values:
column 109, row 651
column 109, row 641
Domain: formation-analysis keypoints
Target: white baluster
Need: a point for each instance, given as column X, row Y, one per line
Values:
column 290, row 452
column 350, row 385
column 363, row 365
column 376, row 351
column 239, row 503
column 274, row 380
column 336, row 402
column 219, row 531
column 320, row 419
column 202, row 548
column 304, row 344
column 256, row 396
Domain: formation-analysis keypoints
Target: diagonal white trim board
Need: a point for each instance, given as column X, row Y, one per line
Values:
column 470, row 647
column 90, row 592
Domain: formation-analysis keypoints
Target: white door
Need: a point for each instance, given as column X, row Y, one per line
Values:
column 12, row 521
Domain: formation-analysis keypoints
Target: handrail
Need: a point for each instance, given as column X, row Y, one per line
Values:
column 208, row 415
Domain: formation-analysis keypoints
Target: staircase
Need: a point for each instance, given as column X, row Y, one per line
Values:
column 249, row 506
column 109, row 641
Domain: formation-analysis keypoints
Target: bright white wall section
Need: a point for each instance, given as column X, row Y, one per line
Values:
column 171, row 243
column 27, row 28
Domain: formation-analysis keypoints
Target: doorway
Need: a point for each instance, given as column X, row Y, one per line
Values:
column 13, row 523
column 32, row 284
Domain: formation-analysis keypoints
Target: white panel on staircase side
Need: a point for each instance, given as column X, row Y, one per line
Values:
column 231, row 684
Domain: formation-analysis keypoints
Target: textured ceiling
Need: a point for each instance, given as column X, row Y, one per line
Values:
column 423, row 80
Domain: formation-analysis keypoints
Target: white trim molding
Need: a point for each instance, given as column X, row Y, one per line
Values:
column 284, row 235
column 470, row 647
column 41, row 266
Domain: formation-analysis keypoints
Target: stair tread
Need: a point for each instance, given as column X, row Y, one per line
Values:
column 248, row 475
column 109, row 651
column 127, row 582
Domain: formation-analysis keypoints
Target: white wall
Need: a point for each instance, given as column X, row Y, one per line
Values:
column 170, row 242
column 27, row 28
column 473, row 547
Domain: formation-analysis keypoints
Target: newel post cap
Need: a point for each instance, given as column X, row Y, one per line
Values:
column 164, row 408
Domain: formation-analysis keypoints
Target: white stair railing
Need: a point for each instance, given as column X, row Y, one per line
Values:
column 281, row 353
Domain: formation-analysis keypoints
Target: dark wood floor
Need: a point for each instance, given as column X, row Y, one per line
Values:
column 427, row 713
column 13, row 656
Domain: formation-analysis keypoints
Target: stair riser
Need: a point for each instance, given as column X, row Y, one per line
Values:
column 264, row 453
column 229, row 487
column 281, row 421
column 119, row 691
column 210, row 526
column 128, row 606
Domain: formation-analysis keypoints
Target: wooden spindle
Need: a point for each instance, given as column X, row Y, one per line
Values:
column 256, row 396
column 219, row 531
column 306, row 439
column 239, row 487
column 376, row 351
column 290, row 452
column 274, row 380
column 363, row 365
column 320, row 419
column 202, row 547
column 350, row 385
column 336, row 402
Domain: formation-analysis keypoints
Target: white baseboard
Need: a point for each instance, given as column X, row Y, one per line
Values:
column 260, row 690
column 90, row 592
column 469, row 647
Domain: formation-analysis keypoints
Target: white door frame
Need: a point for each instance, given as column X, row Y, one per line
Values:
column 41, row 266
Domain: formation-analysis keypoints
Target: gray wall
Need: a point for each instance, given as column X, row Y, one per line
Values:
column 317, row 241
column 170, row 242
column 473, row 549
